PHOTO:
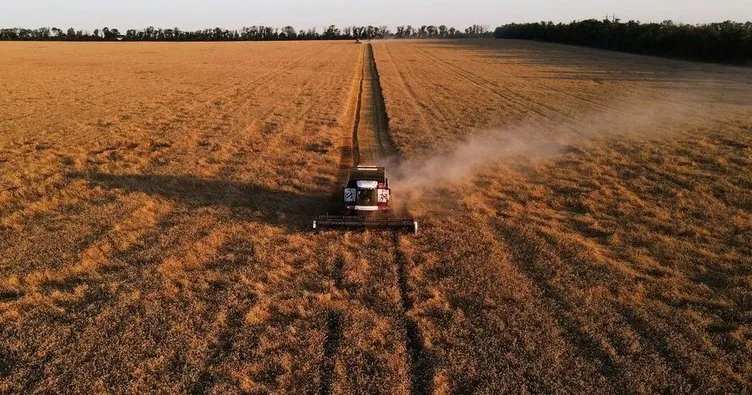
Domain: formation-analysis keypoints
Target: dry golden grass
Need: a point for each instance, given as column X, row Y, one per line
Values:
column 603, row 242
column 155, row 199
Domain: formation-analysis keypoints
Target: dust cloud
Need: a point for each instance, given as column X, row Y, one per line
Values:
column 538, row 141
column 412, row 178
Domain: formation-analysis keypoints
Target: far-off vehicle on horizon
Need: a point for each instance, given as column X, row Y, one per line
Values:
column 367, row 204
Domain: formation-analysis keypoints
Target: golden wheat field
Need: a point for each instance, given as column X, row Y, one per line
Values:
column 585, row 219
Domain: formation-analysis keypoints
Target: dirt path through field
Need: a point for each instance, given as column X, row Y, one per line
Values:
column 372, row 344
column 375, row 146
column 372, row 142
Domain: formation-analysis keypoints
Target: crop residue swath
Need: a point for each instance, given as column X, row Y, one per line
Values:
column 585, row 219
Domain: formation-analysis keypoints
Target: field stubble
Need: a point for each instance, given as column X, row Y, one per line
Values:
column 585, row 220
column 152, row 206
column 586, row 215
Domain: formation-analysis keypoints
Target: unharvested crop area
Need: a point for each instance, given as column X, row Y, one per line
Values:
column 153, row 203
column 586, row 219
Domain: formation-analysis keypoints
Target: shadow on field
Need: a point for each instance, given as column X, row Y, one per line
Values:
column 291, row 210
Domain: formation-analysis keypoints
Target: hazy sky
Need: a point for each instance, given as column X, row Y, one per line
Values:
column 193, row 14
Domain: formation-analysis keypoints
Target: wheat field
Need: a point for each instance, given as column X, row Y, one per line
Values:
column 585, row 219
column 587, row 223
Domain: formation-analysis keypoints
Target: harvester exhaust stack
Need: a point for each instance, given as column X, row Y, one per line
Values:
column 367, row 204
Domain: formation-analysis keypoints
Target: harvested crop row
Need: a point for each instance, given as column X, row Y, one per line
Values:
column 370, row 342
column 153, row 197
column 585, row 220
column 579, row 231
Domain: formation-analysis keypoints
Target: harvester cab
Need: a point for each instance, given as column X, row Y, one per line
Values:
column 367, row 190
column 367, row 204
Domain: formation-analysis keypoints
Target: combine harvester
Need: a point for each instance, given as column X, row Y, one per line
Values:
column 367, row 204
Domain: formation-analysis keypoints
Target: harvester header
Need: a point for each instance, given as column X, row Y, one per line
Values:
column 367, row 204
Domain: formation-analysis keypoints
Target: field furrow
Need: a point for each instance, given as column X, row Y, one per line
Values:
column 155, row 235
column 577, row 228
column 371, row 345
column 584, row 219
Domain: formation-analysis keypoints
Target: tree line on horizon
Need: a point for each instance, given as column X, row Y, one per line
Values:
column 253, row 33
column 729, row 42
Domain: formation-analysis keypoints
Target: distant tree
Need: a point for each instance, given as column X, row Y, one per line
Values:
column 475, row 31
column 110, row 34
column 347, row 33
column 359, row 31
column 269, row 33
column 721, row 42
column 289, row 33
column 131, row 35
column 150, row 33
column 9, row 34
column 331, row 32
column 43, row 33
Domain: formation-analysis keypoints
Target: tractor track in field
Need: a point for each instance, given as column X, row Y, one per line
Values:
column 371, row 139
column 334, row 318
column 421, row 361
column 355, row 159
column 379, row 148
column 331, row 346
column 372, row 145
column 374, row 135
column 348, row 157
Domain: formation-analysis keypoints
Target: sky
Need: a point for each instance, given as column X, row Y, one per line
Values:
column 233, row 14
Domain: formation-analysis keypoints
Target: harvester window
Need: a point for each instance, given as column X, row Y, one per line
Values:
column 367, row 197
